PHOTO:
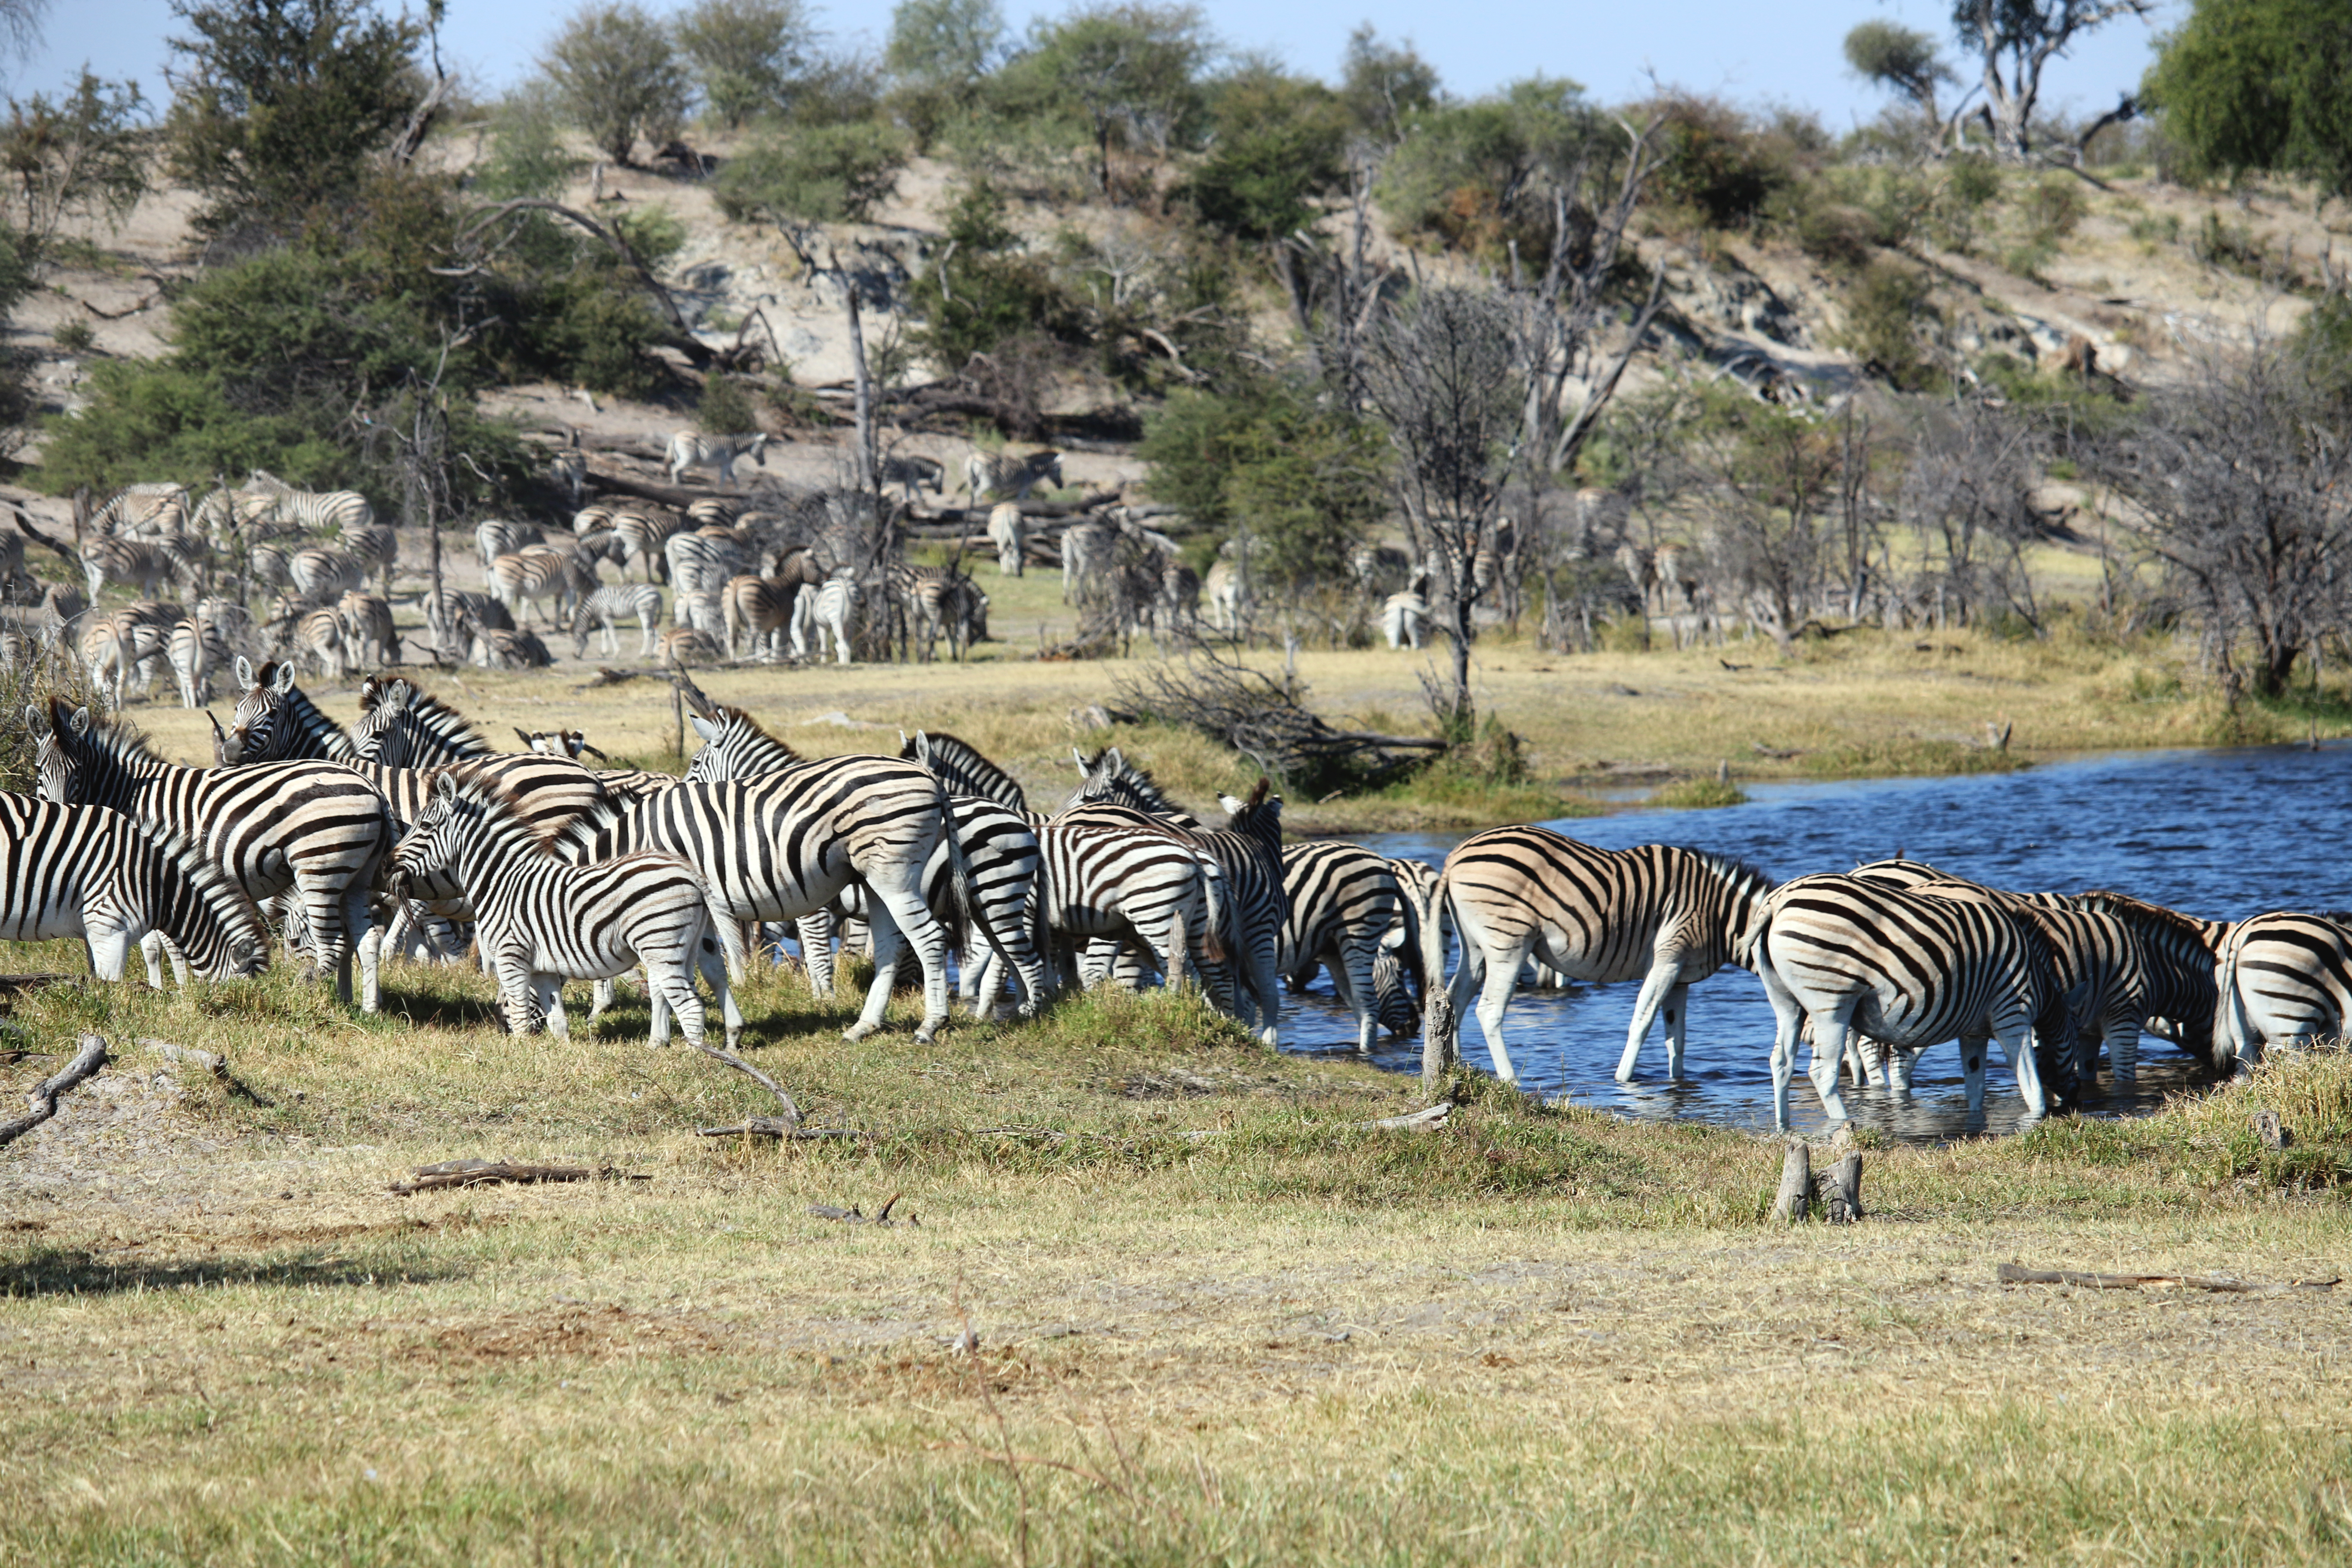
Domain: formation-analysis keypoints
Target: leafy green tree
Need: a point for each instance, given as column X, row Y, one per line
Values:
column 1901, row 60
column 619, row 77
column 986, row 290
column 1383, row 86
column 2260, row 84
column 1129, row 70
column 824, row 173
column 280, row 105
column 945, row 42
column 83, row 156
column 1481, row 174
column 746, row 53
column 1278, row 143
column 527, row 158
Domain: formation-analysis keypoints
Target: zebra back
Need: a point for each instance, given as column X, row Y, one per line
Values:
column 276, row 721
column 403, row 727
column 735, row 746
column 959, row 766
column 2181, row 953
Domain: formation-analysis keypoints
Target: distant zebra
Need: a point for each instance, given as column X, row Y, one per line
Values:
column 537, row 573
column 568, row 467
column 590, row 519
column 345, row 511
column 323, row 575
column 265, row 566
column 914, row 475
column 1007, row 477
column 489, row 647
column 644, row 533
column 86, row 871
column 1839, row 953
column 195, row 647
column 441, row 614
column 783, row 846
column 276, row 721
column 572, row 743
column 368, row 634
column 692, row 449
column 941, row 600
column 1180, row 597
column 763, row 607
column 542, row 920
column 830, row 609
column 609, row 606
column 319, row 635
column 1008, row 531
column 494, row 537
column 403, row 726
column 313, row 828
column 1087, row 549
column 1344, row 900
column 605, row 547
column 1667, row 916
column 114, row 648
column 704, row 560
column 2285, row 979
column 144, row 564
column 1404, row 620
column 143, row 511
column 377, row 546
column 1228, row 598
column 713, row 511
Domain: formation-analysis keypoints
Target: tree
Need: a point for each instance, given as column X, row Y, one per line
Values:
column 1279, row 143
column 2015, row 39
column 746, row 53
column 1901, row 60
column 1131, row 69
column 279, row 105
column 2239, row 484
column 824, row 173
column 1383, row 86
column 945, row 43
column 619, row 77
column 81, row 157
column 2260, row 84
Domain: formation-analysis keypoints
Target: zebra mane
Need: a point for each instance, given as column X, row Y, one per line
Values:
column 1741, row 875
column 1262, row 810
column 501, row 803
column 960, row 767
column 213, row 890
column 1111, row 777
column 2150, row 918
column 115, row 742
column 443, row 734
column 306, row 720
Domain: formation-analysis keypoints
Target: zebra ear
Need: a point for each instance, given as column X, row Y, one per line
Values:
column 33, row 717
column 246, row 680
column 529, row 742
column 81, row 720
column 445, row 787
column 703, row 727
column 285, row 681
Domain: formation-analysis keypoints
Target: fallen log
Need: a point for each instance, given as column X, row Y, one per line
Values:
column 42, row 1103
column 28, row 982
column 852, row 1216
column 489, row 1173
column 2017, row 1274
column 775, row 1127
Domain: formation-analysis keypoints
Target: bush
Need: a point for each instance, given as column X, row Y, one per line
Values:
column 1278, row 145
column 745, row 53
column 1884, row 312
column 619, row 77
column 527, row 160
column 829, row 174
column 74, row 337
column 726, row 409
column 1479, row 175
column 1717, row 165
column 988, row 293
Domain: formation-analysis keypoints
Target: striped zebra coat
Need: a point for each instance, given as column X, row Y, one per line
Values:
column 2284, row 979
column 537, row 573
column 87, row 871
column 1665, row 916
column 914, row 475
column 1003, row 476
column 314, row 829
column 1008, row 531
column 144, row 564
column 829, row 611
column 324, row 574
column 1112, row 877
column 313, row 511
column 403, row 726
column 496, row 536
column 942, row 602
column 1344, row 902
column 691, row 449
column 609, row 606
column 1842, row 953
column 703, row 561
column 276, row 721
column 542, row 920
column 763, row 607
column 784, row 845
column 964, row 769
column 644, row 531
column 2181, row 957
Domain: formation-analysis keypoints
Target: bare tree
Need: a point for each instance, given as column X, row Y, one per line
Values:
column 2015, row 39
column 2239, row 482
column 1968, row 497
column 1771, row 487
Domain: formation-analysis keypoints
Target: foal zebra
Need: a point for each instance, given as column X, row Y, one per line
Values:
column 692, row 449
column 86, row 871
column 2285, row 978
column 542, row 920
column 607, row 607
column 314, row 827
column 1668, row 916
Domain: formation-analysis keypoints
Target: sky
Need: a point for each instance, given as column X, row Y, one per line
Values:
column 1748, row 51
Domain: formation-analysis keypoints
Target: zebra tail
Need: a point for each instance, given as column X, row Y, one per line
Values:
column 2231, row 1028
column 1212, row 881
column 960, row 878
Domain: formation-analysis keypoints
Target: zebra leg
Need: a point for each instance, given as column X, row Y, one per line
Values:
column 516, row 1002
column 888, row 942
column 1832, row 1034
column 918, row 929
column 150, row 951
column 1676, row 1013
column 601, row 1000
column 107, row 942
column 1351, row 978
column 713, row 964
column 1266, row 984
column 2017, row 1045
column 1665, row 970
column 1500, row 977
column 815, row 932
column 1787, row 1017
column 1972, row 1071
column 548, row 990
column 2122, row 1049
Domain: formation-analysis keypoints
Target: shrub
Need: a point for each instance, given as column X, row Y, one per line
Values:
column 987, row 292
column 828, row 173
column 1884, row 311
column 1717, row 165
column 745, row 53
column 74, row 337
column 1479, row 175
column 726, row 409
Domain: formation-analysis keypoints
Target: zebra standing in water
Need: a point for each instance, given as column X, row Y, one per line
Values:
column 316, row 828
column 542, row 919
column 2182, row 957
column 1344, row 900
column 692, row 449
column 1666, row 916
column 607, row 607
column 783, row 846
column 1911, row 970
column 86, row 871
column 2283, row 978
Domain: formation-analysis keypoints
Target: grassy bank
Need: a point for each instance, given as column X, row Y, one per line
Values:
column 1165, row 1301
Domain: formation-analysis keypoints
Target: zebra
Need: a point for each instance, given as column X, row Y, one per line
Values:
column 1841, row 952
column 1344, row 900
column 536, row 573
column 590, row 520
column 377, row 544
column 86, row 871
column 276, row 721
column 568, row 467
column 915, row 475
column 403, row 726
column 195, row 647
column 1669, row 916
column 542, row 919
column 320, row 634
column 1142, row 881
column 829, row 610
column 605, row 547
column 113, row 648
column 1228, row 596
column 1248, row 852
column 345, row 511
column 1404, row 620
column 368, row 632
column 2283, row 978
column 1085, row 550
column 265, row 566
column 324, row 574
column 145, row 564
column 2182, row 956
column 688, row 647
column 606, row 607
column 571, row 743
column 147, row 511
column 1008, row 531
column 713, row 511
column 959, row 765
column 940, row 600
column 692, row 449
column 782, row 847
column 315, row 828
column 763, row 607
column 644, row 533
column 1005, row 476
column 495, row 536
column 705, row 560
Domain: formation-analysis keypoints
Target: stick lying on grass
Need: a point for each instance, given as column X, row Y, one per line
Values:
column 2017, row 1274
column 43, row 1100
column 485, row 1172
column 852, row 1215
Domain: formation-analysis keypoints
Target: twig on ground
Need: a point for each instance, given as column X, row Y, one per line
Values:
column 43, row 1100
column 792, row 1117
column 214, row 1064
column 487, row 1172
column 2017, row 1274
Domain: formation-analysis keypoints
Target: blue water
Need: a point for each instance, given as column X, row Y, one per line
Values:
column 2219, row 834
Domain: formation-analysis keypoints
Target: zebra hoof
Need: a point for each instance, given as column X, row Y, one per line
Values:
column 734, row 1038
column 859, row 1030
column 926, row 1035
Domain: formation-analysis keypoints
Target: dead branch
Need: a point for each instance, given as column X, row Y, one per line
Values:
column 1417, row 1121
column 792, row 1117
column 2016, row 1274
column 211, row 1062
column 1262, row 719
column 776, row 1127
column 489, row 1173
column 28, row 982
column 43, row 1101
column 853, row 1215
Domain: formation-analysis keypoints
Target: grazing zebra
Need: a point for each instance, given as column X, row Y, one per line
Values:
column 592, row 519
column 315, row 828
column 711, row 511
column 607, row 607
column 1668, row 916
column 1008, row 531
column 1087, row 549
column 1344, row 900
column 2284, row 979
column 86, row 871
column 1404, row 620
column 494, row 537
column 368, row 634
column 783, row 846
column 145, row 564
column 378, row 545
column 1248, row 852
column 690, row 647
column 403, row 726
column 915, row 475
column 604, row 547
column 940, row 600
column 319, row 634
column 1908, row 969
column 829, row 609
column 763, row 607
column 325, row 574
column 536, row 573
column 692, row 449
column 959, row 765
column 113, row 648
column 2182, row 956
column 703, row 562
column 1228, row 596
column 644, row 533
column 1006, row 477
column 276, row 721
column 542, row 920
column 1141, row 881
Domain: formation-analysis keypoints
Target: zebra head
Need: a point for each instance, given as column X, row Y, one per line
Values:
column 255, row 731
column 403, row 727
column 1109, row 777
column 205, row 912
column 430, row 850
column 734, row 746
column 73, row 757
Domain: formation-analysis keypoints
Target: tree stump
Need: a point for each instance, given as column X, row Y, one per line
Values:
column 1439, row 1030
column 2271, row 1130
column 1842, row 1190
column 1795, row 1201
